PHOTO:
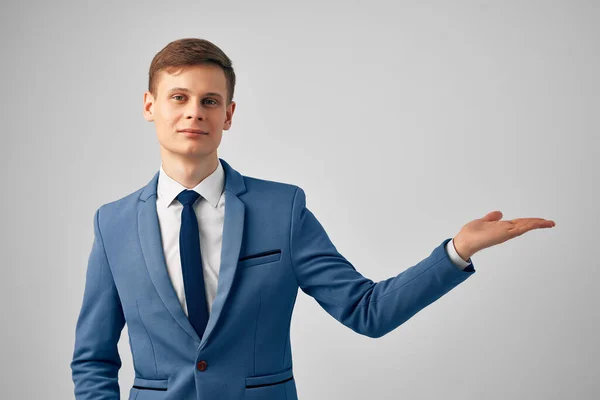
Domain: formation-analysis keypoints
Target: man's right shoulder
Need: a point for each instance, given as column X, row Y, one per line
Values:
column 120, row 206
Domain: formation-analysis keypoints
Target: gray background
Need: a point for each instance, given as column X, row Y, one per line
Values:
column 402, row 121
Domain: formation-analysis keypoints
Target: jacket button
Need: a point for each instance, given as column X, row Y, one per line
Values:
column 201, row 365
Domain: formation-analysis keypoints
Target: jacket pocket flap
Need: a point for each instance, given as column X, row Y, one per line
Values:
column 152, row 384
column 260, row 258
column 267, row 380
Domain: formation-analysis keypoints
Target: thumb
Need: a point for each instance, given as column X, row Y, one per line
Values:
column 493, row 216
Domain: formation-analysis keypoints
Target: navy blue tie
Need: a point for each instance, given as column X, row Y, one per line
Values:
column 191, row 263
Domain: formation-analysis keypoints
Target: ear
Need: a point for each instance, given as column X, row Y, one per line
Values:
column 229, row 116
column 148, row 107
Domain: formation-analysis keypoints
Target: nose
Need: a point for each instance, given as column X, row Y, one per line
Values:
column 194, row 111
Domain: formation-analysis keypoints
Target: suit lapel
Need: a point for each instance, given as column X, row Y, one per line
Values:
column 233, row 228
column 151, row 243
column 150, row 239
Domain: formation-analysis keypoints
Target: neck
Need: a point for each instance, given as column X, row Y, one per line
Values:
column 188, row 171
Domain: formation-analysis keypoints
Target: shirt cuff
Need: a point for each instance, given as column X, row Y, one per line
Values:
column 456, row 259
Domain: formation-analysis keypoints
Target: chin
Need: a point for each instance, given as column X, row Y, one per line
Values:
column 197, row 153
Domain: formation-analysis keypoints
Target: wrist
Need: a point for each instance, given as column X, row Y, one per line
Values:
column 461, row 248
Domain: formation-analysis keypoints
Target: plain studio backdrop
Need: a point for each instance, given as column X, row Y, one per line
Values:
column 402, row 121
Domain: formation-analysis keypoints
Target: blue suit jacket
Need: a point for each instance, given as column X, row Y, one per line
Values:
column 272, row 245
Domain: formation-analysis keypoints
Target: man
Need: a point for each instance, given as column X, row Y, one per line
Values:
column 204, row 264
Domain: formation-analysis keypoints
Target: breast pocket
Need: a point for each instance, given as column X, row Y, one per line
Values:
column 263, row 257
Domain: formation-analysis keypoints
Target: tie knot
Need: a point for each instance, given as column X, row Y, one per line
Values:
column 188, row 197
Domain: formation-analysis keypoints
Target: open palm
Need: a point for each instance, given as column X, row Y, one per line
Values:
column 490, row 230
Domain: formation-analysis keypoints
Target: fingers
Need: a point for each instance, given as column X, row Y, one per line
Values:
column 522, row 225
column 532, row 220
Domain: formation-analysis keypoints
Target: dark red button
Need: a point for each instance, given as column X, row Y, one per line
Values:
column 202, row 365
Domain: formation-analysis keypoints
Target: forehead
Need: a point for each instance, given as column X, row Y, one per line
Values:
column 200, row 78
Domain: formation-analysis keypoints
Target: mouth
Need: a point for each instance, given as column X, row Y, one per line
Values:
column 193, row 132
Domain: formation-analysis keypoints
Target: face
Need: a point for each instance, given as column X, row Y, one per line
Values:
column 192, row 98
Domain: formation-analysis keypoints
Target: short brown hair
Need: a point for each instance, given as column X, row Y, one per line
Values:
column 187, row 52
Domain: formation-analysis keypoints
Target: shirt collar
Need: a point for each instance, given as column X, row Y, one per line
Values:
column 210, row 188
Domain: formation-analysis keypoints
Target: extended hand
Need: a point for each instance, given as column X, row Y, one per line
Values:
column 489, row 231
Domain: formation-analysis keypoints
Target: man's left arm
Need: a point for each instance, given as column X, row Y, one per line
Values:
column 376, row 308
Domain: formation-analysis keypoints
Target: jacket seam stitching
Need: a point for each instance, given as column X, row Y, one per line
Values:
column 103, row 246
column 398, row 288
column 291, row 233
column 256, row 329
column 149, row 337
column 106, row 256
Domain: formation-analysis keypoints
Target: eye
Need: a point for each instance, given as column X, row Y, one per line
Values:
column 179, row 95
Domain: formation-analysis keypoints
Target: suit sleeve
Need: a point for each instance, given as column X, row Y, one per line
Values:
column 370, row 308
column 96, row 360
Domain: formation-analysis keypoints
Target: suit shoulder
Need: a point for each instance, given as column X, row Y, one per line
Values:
column 253, row 183
column 270, row 193
column 121, row 205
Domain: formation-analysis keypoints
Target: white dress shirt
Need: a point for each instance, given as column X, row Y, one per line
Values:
column 210, row 211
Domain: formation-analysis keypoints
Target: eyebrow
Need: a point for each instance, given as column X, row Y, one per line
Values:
column 180, row 89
